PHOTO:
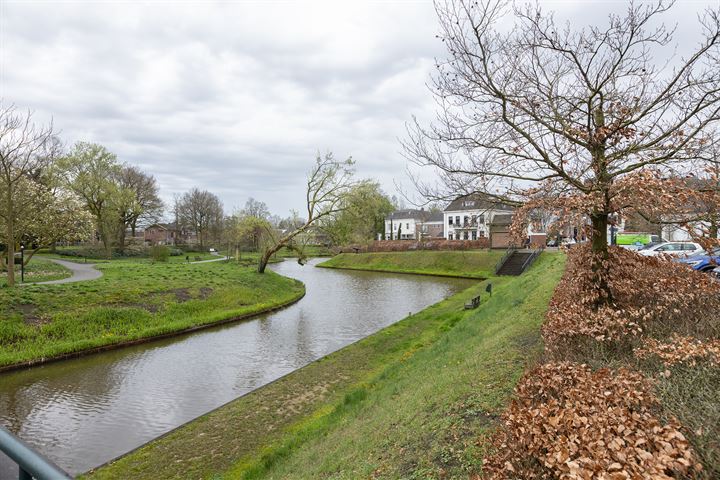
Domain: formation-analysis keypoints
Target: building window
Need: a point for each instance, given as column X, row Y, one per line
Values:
column 450, row 220
column 466, row 235
column 465, row 221
column 450, row 236
column 474, row 235
column 407, row 226
column 457, row 219
column 481, row 218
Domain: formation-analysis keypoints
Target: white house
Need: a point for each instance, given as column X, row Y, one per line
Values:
column 413, row 225
column 470, row 217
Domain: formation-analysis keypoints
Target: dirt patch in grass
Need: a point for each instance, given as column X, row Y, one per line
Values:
column 181, row 294
column 150, row 307
column 205, row 292
column 29, row 316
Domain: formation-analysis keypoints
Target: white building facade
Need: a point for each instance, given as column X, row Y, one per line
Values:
column 469, row 217
column 413, row 225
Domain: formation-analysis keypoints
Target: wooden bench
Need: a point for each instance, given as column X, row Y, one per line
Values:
column 472, row 303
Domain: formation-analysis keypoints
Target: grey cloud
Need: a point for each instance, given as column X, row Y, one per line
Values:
column 232, row 97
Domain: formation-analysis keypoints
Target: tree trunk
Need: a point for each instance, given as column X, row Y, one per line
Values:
column 265, row 257
column 10, row 254
column 713, row 230
column 10, row 235
column 600, row 255
column 121, row 239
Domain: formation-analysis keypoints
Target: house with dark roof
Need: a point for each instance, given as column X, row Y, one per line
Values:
column 168, row 234
column 475, row 216
column 411, row 224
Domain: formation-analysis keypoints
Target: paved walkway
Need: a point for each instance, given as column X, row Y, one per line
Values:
column 80, row 273
column 212, row 260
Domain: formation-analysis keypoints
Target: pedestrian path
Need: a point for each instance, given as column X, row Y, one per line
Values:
column 80, row 273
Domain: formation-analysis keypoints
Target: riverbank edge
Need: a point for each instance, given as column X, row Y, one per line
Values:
column 405, row 272
column 437, row 322
column 139, row 341
column 172, row 447
column 344, row 424
column 480, row 274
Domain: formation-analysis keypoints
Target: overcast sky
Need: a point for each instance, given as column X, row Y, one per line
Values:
column 236, row 97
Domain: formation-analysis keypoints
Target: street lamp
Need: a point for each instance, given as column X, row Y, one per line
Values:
column 22, row 263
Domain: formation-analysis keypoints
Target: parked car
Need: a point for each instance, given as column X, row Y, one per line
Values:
column 676, row 249
column 704, row 262
column 212, row 250
column 715, row 272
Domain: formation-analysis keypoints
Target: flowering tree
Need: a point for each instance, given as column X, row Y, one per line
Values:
column 25, row 151
column 569, row 118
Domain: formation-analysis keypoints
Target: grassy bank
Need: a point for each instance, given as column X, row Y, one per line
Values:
column 133, row 300
column 471, row 264
column 407, row 402
column 38, row 270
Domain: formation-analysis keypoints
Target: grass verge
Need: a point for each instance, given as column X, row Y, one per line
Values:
column 131, row 301
column 38, row 270
column 469, row 264
column 407, row 402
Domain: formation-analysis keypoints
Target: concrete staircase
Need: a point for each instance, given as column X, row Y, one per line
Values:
column 516, row 262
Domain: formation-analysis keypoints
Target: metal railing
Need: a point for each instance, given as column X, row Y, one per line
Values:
column 533, row 255
column 507, row 255
column 30, row 463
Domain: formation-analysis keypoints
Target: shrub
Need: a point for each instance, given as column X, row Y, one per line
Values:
column 650, row 296
column 159, row 253
column 571, row 422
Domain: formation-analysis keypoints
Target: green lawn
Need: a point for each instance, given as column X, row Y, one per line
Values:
column 132, row 300
column 38, row 270
column 411, row 401
column 471, row 264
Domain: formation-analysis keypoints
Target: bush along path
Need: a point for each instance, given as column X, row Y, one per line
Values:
column 410, row 401
column 630, row 389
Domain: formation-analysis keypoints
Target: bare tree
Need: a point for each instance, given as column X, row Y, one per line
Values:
column 327, row 185
column 202, row 211
column 546, row 110
column 255, row 208
column 25, row 149
column 140, row 200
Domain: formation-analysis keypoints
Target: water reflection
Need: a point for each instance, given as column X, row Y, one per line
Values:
column 83, row 412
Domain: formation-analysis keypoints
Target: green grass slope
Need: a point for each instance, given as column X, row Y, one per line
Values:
column 410, row 401
column 470, row 264
column 131, row 301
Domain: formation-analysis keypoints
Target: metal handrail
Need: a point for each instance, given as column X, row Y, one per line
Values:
column 30, row 463
column 509, row 252
column 528, row 261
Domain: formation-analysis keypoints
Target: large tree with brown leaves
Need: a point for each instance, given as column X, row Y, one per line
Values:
column 532, row 109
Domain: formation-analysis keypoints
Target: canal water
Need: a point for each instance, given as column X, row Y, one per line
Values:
column 83, row 412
